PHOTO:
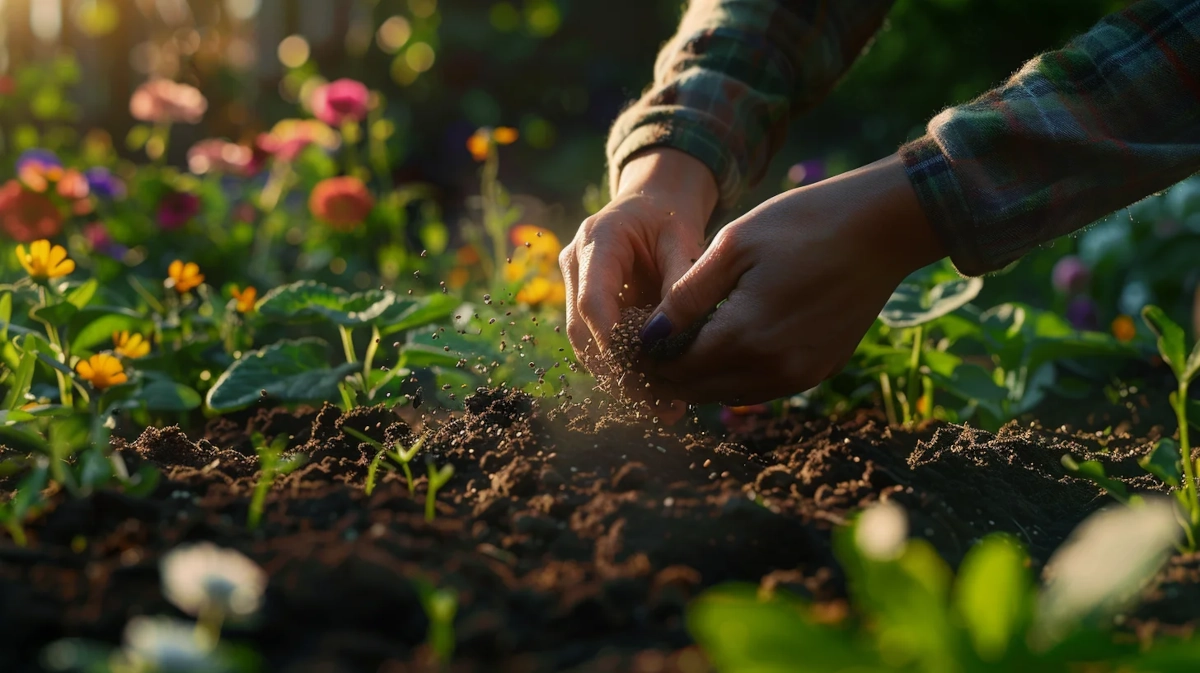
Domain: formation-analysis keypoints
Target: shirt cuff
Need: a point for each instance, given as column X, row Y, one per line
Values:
column 672, row 128
column 944, row 202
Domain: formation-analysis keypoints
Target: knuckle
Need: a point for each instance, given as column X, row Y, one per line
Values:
column 566, row 258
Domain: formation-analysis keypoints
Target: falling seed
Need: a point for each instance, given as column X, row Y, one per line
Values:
column 423, row 253
column 417, row 274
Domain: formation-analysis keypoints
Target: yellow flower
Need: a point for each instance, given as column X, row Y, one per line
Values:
column 535, row 261
column 481, row 142
column 245, row 298
column 101, row 370
column 128, row 345
column 43, row 261
column 184, row 277
column 1123, row 328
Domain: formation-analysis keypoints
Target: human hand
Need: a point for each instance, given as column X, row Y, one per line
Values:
column 637, row 247
column 804, row 276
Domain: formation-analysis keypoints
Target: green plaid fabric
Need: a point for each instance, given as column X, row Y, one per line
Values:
column 1077, row 133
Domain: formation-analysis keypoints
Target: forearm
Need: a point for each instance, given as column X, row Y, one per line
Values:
column 734, row 75
column 1076, row 134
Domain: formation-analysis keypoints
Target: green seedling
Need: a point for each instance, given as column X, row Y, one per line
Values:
column 401, row 456
column 437, row 479
column 272, row 465
column 1169, row 460
column 440, row 605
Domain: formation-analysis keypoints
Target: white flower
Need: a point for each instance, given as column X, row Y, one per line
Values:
column 203, row 575
column 167, row 645
column 882, row 531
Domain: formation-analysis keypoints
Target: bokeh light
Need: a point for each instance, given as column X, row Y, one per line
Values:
column 294, row 51
column 96, row 18
column 393, row 34
column 45, row 20
column 419, row 57
column 422, row 9
column 242, row 10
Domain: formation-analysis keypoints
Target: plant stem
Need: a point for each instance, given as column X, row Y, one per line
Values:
column 258, row 500
column 1185, row 451
column 492, row 221
column 914, row 373
column 889, row 403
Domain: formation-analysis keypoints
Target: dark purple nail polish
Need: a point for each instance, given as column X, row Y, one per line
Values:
column 656, row 330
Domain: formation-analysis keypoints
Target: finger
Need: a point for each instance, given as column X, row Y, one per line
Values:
column 698, row 291
column 577, row 331
column 600, row 287
column 724, row 346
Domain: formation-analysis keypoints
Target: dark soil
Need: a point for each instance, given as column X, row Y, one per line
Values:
column 574, row 543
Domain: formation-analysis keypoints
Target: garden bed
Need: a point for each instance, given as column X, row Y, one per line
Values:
column 573, row 541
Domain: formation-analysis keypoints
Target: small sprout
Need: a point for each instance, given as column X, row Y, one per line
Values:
column 401, row 456
column 168, row 644
column 272, row 465
column 437, row 479
column 207, row 581
column 441, row 605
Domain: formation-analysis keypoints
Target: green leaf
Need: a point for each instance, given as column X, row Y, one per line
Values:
column 740, row 633
column 993, row 595
column 309, row 300
column 29, row 492
column 55, row 364
column 1172, row 343
column 1163, row 462
column 80, row 296
column 11, row 416
column 22, row 378
column 409, row 315
column 6, row 309
column 289, row 371
column 55, row 314
column 161, row 395
column 95, row 469
column 19, row 439
column 1094, row 472
column 100, row 329
column 971, row 382
column 416, row 356
column 912, row 304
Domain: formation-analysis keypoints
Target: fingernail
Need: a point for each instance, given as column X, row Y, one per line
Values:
column 656, row 330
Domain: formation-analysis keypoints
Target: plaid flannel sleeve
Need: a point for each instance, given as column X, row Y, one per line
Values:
column 1077, row 133
column 729, row 81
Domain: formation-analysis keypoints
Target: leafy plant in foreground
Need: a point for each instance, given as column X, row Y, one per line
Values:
column 440, row 607
column 910, row 613
column 272, row 465
column 438, row 477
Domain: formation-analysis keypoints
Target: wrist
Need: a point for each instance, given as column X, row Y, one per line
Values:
column 680, row 182
column 893, row 218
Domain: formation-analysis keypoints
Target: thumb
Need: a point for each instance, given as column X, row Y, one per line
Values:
column 707, row 283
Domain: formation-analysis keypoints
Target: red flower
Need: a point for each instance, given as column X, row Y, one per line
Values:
column 177, row 209
column 340, row 101
column 342, row 203
column 27, row 216
column 8, row 85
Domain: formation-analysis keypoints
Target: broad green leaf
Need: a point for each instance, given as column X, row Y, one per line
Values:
column 20, row 439
column 993, row 595
column 29, row 491
column 741, row 633
column 1163, row 462
column 416, row 356
column 1094, row 472
column 912, row 304
column 101, row 329
column 11, row 416
column 972, row 383
column 288, row 371
column 161, row 395
column 55, row 364
column 408, row 315
column 309, row 300
column 22, row 378
column 143, row 482
column 1172, row 343
column 55, row 314
column 1103, row 565
column 80, row 296
column 95, row 469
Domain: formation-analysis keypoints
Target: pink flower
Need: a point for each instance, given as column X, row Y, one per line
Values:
column 162, row 101
column 289, row 137
column 221, row 156
column 97, row 235
column 340, row 101
column 1070, row 275
column 177, row 209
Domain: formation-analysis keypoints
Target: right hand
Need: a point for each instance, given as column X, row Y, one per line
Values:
column 633, row 250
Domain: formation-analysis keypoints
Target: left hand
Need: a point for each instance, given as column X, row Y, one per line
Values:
column 803, row 277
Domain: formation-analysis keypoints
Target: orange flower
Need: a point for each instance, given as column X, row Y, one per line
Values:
column 43, row 261
column 465, row 258
column 480, row 143
column 72, row 185
column 128, row 345
column 102, row 371
column 343, row 203
column 535, row 261
column 245, row 298
column 184, row 277
column 1124, row 329
column 162, row 101
column 27, row 216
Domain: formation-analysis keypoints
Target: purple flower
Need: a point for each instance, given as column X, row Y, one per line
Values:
column 1083, row 314
column 103, row 183
column 102, row 242
column 177, row 209
column 807, row 172
column 42, row 158
column 1070, row 275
